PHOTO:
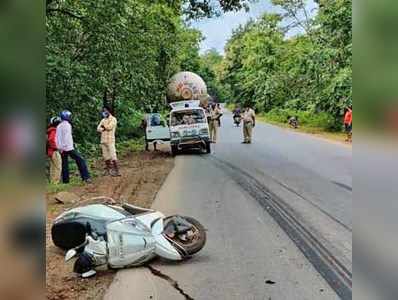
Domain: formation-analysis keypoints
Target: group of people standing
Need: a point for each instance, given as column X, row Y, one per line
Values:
column 60, row 147
column 247, row 116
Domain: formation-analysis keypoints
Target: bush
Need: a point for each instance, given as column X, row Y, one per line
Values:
column 129, row 122
column 320, row 120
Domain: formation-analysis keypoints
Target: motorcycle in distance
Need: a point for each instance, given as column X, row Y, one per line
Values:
column 293, row 122
column 102, row 236
column 237, row 119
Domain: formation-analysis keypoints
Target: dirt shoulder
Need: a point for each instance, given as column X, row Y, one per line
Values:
column 143, row 173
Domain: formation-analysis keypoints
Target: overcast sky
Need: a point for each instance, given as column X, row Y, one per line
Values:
column 218, row 30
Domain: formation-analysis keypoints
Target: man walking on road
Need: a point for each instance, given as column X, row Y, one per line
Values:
column 213, row 123
column 65, row 146
column 107, row 128
column 249, row 121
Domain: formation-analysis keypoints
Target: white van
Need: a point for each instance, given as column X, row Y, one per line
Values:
column 188, row 127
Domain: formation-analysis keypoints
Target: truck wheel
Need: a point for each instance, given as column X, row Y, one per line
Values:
column 174, row 150
column 208, row 148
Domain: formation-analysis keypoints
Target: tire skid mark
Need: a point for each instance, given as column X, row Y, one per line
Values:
column 285, row 186
column 343, row 185
column 331, row 269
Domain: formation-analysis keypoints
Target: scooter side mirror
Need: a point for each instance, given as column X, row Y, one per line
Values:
column 70, row 254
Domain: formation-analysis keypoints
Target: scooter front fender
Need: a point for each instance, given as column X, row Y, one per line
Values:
column 166, row 250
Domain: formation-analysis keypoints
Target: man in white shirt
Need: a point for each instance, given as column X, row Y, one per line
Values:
column 249, row 121
column 65, row 146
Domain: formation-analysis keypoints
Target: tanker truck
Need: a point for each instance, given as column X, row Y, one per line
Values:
column 187, row 97
column 187, row 121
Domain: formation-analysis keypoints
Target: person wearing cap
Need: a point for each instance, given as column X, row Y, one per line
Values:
column 107, row 128
column 64, row 140
column 52, row 151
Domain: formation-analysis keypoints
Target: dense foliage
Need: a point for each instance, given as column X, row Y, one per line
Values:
column 210, row 64
column 310, row 72
column 120, row 52
column 123, row 52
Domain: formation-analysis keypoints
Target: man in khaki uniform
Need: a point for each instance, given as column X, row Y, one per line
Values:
column 249, row 121
column 215, row 114
column 107, row 128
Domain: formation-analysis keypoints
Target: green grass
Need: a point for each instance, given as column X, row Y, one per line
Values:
column 52, row 188
column 135, row 145
column 230, row 106
column 308, row 119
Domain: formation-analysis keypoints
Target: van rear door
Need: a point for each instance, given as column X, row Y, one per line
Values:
column 157, row 129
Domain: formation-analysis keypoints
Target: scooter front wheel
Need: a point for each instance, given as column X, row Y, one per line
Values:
column 194, row 240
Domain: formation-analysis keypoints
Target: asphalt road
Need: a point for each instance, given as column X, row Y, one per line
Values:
column 278, row 214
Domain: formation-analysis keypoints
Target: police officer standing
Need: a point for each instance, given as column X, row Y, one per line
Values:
column 249, row 121
column 215, row 115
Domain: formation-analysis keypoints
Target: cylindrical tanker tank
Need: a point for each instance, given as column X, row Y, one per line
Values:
column 185, row 86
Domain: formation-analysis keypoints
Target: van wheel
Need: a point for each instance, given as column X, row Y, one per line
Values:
column 174, row 150
column 208, row 148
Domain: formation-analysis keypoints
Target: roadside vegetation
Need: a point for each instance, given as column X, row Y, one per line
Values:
column 308, row 75
column 120, row 53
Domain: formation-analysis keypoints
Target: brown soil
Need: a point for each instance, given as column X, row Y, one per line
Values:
column 142, row 176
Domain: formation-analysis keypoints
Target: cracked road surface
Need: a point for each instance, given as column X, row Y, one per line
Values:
column 278, row 214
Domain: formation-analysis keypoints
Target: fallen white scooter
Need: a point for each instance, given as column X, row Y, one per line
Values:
column 105, row 236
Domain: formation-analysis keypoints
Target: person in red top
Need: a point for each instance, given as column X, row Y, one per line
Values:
column 348, row 123
column 52, row 151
